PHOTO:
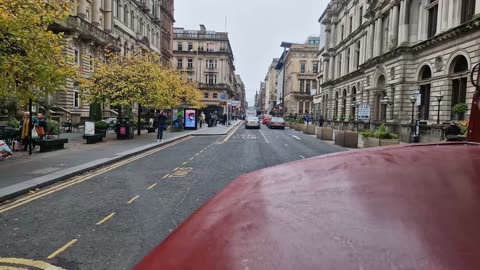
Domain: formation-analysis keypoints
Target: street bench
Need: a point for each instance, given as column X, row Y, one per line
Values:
column 48, row 145
column 92, row 139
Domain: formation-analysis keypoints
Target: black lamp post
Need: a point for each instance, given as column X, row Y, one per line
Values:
column 285, row 46
column 439, row 99
column 413, row 99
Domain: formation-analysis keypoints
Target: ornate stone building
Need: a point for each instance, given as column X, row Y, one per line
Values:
column 398, row 56
column 123, row 25
column 301, row 67
column 206, row 57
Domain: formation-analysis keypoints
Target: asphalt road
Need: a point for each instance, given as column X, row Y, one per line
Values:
column 113, row 219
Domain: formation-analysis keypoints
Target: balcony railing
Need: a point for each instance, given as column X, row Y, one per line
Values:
column 199, row 35
column 88, row 31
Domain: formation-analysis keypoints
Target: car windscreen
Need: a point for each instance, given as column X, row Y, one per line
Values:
column 277, row 119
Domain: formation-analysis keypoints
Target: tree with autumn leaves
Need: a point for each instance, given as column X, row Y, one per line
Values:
column 32, row 62
column 124, row 80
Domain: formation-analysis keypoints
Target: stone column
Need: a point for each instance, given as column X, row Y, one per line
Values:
column 327, row 39
column 333, row 36
column 421, row 22
column 82, row 8
column 326, row 69
column 440, row 6
column 395, row 26
column 331, row 73
column 370, row 41
column 390, row 30
column 404, row 24
column 352, row 57
column 477, row 7
column 377, row 43
column 444, row 22
column 107, row 15
column 96, row 6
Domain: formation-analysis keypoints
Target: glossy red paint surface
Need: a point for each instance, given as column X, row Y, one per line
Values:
column 407, row 207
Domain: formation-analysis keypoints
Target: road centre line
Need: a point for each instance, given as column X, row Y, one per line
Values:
column 167, row 175
column 191, row 158
column 62, row 249
column 296, row 137
column 106, row 218
column 152, row 186
column 302, row 156
column 133, row 199
column 184, row 163
column 230, row 135
column 264, row 136
column 84, row 178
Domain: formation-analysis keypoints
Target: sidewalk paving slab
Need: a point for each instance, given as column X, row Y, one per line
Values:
column 17, row 177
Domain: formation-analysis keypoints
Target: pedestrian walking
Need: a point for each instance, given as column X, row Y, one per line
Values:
column 307, row 118
column 161, row 119
column 41, row 126
column 25, row 128
column 320, row 121
column 201, row 119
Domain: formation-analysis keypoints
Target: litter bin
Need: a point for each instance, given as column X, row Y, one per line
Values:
column 125, row 129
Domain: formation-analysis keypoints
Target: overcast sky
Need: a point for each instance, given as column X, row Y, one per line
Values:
column 256, row 28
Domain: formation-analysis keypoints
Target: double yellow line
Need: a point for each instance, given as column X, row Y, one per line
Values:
column 83, row 178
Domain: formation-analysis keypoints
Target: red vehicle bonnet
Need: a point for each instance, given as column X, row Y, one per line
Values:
column 405, row 207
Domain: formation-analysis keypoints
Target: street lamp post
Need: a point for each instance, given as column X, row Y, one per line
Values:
column 413, row 99
column 439, row 99
column 284, row 45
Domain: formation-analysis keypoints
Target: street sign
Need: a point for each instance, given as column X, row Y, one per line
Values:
column 223, row 96
column 229, row 102
column 364, row 112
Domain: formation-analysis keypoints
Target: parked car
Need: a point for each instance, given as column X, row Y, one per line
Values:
column 252, row 122
column 276, row 122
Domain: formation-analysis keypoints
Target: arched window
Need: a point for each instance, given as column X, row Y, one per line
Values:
column 125, row 14
column 148, row 31
column 125, row 49
column 459, row 72
column 354, row 100
column 132, row 20
column 118, row 9
column 141, row 30
column 424, row 106
column 335, row 112
column 344, row 103
column 380, row 109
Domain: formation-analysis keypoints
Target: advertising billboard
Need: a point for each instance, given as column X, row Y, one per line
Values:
column 190, row 120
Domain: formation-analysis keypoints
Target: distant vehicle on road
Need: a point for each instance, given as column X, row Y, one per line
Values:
column 276, row 122
column 266, row 118
column 252, row 122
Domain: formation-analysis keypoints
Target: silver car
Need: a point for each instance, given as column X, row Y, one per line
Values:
column 252, row 122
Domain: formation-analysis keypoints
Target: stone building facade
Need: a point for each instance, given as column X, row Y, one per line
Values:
column 125, row 26
column 206, row 57
column 301, row 67
column 271, row 87
column 398, row 56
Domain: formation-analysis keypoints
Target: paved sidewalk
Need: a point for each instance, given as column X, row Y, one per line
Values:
column 22, row 172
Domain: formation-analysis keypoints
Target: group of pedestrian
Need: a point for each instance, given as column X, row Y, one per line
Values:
column 38, row 129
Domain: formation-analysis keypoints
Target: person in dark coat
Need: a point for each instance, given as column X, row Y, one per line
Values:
column 161, row 119
column 320, row 121
column 452, row 130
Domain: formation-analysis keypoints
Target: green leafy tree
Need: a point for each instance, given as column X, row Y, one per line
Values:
column 32, row 61
column 125, row 80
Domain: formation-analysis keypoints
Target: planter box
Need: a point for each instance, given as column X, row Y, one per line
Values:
column 374, row 142
column 348, row 139
column 325, row 133
column 310, row 130
column 299, row 127
column 293, row 125
column 303, row 128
